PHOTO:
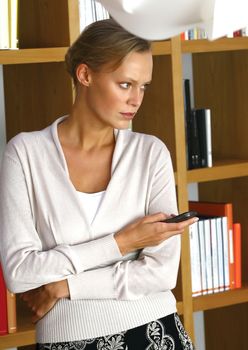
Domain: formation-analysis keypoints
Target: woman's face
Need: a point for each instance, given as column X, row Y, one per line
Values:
column 113, row 98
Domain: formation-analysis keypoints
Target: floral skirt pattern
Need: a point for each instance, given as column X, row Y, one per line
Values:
column 166, row 333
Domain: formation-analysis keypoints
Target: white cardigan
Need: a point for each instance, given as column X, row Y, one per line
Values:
column 45, row 235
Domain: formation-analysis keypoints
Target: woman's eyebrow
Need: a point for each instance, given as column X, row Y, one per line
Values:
column 136, row 81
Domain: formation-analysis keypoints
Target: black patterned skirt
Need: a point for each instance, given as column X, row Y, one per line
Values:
column 167, row 333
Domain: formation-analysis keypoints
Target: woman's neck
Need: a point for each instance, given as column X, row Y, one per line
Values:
column 80, row 132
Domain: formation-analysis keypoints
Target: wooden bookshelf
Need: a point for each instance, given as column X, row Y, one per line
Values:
column 220, row 83
column 35, row 76
column 219, row 45
column 225, row 169
column 218, row 300
column 22, row 56
column 161, row 48
column 24, row 336
column 220, row 71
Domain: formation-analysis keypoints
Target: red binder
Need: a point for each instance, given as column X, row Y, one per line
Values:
column 3, row 305
column 237, row 254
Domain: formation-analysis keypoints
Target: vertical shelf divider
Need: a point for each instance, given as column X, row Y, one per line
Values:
column 178, row 103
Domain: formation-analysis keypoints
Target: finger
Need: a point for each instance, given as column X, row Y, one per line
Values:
column 155, row 217
column 180, row 225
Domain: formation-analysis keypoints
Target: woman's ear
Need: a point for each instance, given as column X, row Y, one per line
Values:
column 83, row 74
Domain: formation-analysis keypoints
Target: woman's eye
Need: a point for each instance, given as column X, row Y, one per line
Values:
column 125, row 85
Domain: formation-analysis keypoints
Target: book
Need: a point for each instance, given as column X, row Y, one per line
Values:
column 237, row 254
column 3, row 305
column 202, row 248
column 198, row 133
column 221, row 253
column 208, row 254
column 13, row 24
column 91, row 11
column 192, row 139
column 203, row 122
column 214, row 254
column 4, row 25
column 195, row 260
column 209, row 249
column 9, row 24
column 221, row 210
column 227, row 278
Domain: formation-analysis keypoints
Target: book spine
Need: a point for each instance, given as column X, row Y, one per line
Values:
column 202, row 256
column 90, row 11
column 237, row 254
column 209, row 267
column 13, row 24
column 209, row 138
column 203, row 120
column 182, row 36
column 195, row 260
column 4, row 25
column 194, row 158
column 220, row 254
column 214, row 251
column 224, row 227
column 231, row 256
column 3, row 305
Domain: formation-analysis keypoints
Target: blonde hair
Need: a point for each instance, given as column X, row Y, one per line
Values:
column 103, row 42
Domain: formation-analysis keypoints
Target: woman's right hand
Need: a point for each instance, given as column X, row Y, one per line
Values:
column 148, row 231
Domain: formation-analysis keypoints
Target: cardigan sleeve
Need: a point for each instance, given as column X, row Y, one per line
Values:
column 156, row 268
column 25, row 263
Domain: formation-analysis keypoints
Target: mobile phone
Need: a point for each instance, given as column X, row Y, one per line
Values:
column 181, row 217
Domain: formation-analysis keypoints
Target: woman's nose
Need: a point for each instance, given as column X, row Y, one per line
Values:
column 135, row 97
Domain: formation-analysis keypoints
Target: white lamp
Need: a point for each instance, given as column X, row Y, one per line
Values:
column 162, row 19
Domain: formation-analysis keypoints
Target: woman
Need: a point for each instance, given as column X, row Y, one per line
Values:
column 81, row 208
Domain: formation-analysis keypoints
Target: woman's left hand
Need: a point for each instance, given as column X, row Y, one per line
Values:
column 41, row 300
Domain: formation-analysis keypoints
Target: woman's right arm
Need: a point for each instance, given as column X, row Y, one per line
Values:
column 26, row 265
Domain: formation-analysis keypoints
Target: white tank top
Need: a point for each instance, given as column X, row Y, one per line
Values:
column 90, row 203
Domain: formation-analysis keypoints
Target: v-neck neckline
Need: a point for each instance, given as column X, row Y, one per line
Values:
column 65, row 166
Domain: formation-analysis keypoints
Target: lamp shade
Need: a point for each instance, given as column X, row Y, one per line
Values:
column 162, row 19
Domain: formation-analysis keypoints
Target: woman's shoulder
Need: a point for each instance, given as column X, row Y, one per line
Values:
column 145, row 141
column 27, row 142
column 24, row 139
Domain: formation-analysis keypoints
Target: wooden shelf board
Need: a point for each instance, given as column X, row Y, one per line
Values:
column 56, row 54
column 20, row 338
column 224, row 169
column 161, row 48
column 53, row 54
column 222, row 44
column 217, row 300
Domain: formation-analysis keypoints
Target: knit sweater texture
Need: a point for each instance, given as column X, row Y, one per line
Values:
column 45, row 236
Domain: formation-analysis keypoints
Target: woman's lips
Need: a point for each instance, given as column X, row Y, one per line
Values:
column 128, row 116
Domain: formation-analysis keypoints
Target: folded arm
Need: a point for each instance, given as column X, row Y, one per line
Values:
column 25, row 262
